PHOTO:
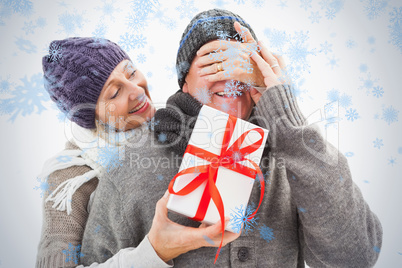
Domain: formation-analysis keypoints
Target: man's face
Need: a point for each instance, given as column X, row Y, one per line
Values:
column 238, row 104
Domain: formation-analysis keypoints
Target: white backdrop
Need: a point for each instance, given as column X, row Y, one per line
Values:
column 349, row 52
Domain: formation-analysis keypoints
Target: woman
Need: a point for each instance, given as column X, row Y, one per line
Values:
column 103, row 94
column 107, row 100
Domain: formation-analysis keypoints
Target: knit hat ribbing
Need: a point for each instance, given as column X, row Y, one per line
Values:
column 204, row 27
column 75, row 80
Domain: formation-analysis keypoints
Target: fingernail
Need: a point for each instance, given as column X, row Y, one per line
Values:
column 198, row 53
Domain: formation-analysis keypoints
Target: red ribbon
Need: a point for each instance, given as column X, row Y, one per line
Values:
column 209, row 172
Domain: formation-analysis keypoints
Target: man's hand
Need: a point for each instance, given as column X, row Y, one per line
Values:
column 170, row 239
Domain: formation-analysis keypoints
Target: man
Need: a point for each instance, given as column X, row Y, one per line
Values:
column 312, row 211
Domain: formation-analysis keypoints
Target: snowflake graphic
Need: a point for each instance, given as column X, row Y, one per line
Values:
column 25, row 98
column 282, row 4
column 240, row 219
column 187, row 9
column 395, row 27
column 378, row 143
column 127, row 41
column 44, row 186
column 100, row 32
column 392, row 161
column 326, row 47
column 234, row 88
column 331, row 7
column 97, row 229
column 29, row 27
column 333, row 62
column 25, row 45
column 108, row 9
column 333, row 95
column 220, row 3
column 73, row 253
column 258, row 3
column 350, row 43
column 140, row 10
column 5, row 86
column 149, row 74
column 374, row 8
column 23, row 7
column 371, row 40
column 352, row 115
column 349, row 154
column 390, row 114
column 368, row 83
column 376, row 249
column 162, row 137
column 330, row 14
column 298, row 51
column 400, row 150
column 363, row 68
column 225, row 107
column 41, row 22
column 71, row 22
column 171, row 24
column 140, row 40
column 277, row 39
column 203, row 95
column 301, row 209
column 266, row 233
column 378, row 91
column 306, row 4
column 136, row 21
column 141, row 58
column 64, row 158
column 315, row 17
column 159, row 177
column 109, row 157
column 55, row 52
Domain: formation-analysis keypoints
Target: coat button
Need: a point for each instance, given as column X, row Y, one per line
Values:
column 243, row 254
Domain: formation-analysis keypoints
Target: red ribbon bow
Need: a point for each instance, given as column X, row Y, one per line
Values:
column 209, row 172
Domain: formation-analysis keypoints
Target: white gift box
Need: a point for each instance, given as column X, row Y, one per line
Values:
column 234, row 188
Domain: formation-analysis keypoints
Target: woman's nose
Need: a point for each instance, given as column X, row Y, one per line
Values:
column 134, row 91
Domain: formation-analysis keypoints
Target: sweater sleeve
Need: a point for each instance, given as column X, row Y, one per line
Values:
column 60, row 231
column 142, row 256
column 107, row 237
column 337, row 227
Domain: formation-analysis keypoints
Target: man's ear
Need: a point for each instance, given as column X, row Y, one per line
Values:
column 185, row 87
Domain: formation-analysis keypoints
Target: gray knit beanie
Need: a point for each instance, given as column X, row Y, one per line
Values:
column 204, row 27
column 75, row 74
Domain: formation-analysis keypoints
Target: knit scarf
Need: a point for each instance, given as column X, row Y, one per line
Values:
column 95, row 151
column 174, row 124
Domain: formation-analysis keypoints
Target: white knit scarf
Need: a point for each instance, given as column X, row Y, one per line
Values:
column 91, row 153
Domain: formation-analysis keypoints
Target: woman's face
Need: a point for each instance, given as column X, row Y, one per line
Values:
column 124, row 102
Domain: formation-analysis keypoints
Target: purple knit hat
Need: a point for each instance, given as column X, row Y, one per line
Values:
column 74, row 77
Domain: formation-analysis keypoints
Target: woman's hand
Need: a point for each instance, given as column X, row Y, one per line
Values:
column 170, row 239
column 230, row 60
column 271, row 67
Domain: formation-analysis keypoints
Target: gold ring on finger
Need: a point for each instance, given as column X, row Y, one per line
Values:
column 219, row 67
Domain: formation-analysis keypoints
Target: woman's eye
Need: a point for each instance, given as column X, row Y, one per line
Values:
column 133, row 74
column 115, row 94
